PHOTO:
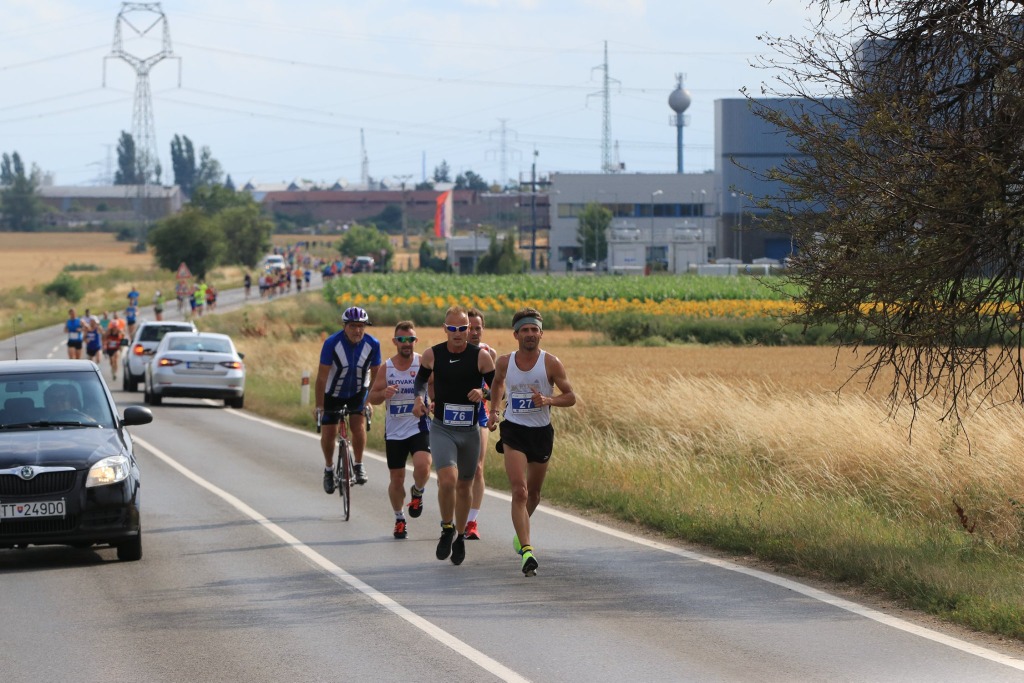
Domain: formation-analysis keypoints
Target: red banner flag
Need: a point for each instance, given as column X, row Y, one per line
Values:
column 443, row 215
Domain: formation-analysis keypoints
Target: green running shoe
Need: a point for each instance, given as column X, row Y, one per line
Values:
column 530, row 563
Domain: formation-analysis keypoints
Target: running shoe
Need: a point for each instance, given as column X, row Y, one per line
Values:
column 471, row 533
column 400, row 531
column 444, row 544
column 459, row 550
column 516, row 545
column 329, row 481
column 360, row 471
column 530, row 563
column 416, row 504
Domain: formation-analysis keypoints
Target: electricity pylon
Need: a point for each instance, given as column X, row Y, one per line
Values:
column 141, row 18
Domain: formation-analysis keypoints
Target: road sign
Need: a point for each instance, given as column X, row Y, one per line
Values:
column 183, row 272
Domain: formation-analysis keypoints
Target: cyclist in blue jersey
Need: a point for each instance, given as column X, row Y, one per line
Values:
column 349, row 361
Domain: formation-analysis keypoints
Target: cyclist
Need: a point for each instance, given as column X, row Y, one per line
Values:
column 459, row 368
column 476, row 331
column 404, row 434
column 527, row 377
column 347, row 357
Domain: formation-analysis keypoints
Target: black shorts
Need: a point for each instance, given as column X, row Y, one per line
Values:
column 354, row 404
column 75, row 344
column 536, row 442
column 398, row 451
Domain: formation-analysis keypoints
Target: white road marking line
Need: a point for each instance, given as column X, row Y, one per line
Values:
column 790, row 584
column 438, row 634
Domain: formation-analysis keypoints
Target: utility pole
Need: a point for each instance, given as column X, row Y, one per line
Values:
column 533, row 212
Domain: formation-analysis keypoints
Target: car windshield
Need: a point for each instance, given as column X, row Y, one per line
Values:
column 47, row 399
column 207, row 344
column 154, row 333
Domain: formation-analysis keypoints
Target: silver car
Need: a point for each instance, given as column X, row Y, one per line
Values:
column 140, row 351
column 196, row 365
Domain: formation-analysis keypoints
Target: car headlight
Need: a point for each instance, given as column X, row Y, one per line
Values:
column 108, row 471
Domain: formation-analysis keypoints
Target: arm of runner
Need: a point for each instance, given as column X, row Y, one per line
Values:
column 379, row 390
column 556, row 373
column 497, row 392
column 419, row 408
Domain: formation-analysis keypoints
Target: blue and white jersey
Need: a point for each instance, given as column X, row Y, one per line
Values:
column 401, row 423
column 350, row 364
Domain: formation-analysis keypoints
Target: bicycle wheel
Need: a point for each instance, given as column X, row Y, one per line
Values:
column 343, row 474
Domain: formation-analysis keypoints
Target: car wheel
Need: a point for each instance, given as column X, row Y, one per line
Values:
column 155, row 399
column 131, row 549
column 130, row 383
column 237, row 402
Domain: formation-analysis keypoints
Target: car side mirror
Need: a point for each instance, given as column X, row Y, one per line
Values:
column 241, row 355
column 136, row 415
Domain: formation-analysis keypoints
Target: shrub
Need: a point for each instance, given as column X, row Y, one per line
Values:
column 66, row 287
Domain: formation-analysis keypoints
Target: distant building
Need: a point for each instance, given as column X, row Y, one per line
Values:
column 93, row 205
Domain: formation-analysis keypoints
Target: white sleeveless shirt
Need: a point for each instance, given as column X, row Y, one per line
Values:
column 519, row 387
column 401, row 423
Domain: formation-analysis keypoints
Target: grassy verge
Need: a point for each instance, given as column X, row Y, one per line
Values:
column 106, row 290
column 823, row 485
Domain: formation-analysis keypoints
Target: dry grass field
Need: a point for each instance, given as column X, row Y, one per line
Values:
column 31, row 258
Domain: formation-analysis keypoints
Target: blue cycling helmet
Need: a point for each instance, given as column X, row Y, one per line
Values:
column 355, row 315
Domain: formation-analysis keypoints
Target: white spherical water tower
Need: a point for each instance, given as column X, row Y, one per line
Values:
column 679, row 100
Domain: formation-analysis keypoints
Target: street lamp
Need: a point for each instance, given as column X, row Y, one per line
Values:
column 650, row 255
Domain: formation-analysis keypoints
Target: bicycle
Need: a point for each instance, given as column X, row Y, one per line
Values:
column 343, row 463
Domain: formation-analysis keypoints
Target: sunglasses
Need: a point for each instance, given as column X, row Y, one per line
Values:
column 405, row 339
column 456, row 328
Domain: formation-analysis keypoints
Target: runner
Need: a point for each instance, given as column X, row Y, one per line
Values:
column 460, row 369
column 73, row 328
column 476, row 331
column 405, row 434
column 526, row 378
column 158, row 305
column 112, row 344
column 93, row 340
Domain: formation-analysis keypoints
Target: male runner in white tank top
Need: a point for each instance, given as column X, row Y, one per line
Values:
column 526, row 379
column 405, row 434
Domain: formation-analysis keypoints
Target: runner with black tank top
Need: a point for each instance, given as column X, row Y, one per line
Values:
column 459, row 369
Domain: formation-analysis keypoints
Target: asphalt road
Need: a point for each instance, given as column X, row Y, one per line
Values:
column 249, row 574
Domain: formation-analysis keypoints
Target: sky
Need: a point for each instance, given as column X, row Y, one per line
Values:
column 281, row 90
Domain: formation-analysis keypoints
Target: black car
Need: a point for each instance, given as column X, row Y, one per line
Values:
column 68, row 474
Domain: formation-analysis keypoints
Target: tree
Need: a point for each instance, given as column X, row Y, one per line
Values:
column 592, row 232
column 501, row 258
column 190, row 236
column 905, row 194
column 471, row 181
column 229, row 183
column 183, row 163
column 212, row 199
column 246, row 233
column 209, row 172
column 20, row 207
column 424, row 185
column 442, row 174
column 127, row 161
column 428, row 261
column 366, row 240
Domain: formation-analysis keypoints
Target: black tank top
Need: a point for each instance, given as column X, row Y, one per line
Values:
column 455, row 375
